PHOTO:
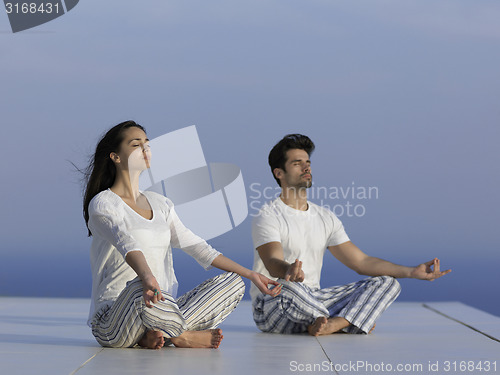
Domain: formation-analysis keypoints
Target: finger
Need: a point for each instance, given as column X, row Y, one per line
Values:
column 430, row 262
column 298, row 269
column 289, row 272
column 273, row 282
column 157, row 295
column 154, row 298
column 275, row 291
column 442, row 273
column 436, row 265
column 266, row 290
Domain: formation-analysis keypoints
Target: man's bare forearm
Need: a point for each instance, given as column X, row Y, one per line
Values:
column 372, row 266
column 277, row 267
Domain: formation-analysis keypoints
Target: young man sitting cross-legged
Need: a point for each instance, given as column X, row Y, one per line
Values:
column 291, row 235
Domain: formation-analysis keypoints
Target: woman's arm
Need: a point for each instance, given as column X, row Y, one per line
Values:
column 151, row 288
column 223, row 263
column 206, row 256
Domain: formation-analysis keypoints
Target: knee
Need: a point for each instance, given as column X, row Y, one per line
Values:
column 236, row 279
column 236, row 282
column 240, row 283
column 291, row 288
column 390, row 283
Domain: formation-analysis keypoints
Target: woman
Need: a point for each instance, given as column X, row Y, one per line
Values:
column 133, row 281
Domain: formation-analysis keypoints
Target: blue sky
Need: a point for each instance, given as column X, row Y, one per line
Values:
column 401, row 96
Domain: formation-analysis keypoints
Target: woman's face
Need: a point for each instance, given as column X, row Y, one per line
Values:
column 135, row 153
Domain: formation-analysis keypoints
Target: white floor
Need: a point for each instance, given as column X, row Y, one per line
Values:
column 49, row 336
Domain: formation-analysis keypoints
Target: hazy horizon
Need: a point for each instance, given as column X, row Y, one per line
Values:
column 400, row 97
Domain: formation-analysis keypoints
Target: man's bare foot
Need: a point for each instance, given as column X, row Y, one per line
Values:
column 324, row 326
column 318, row 326
column 152, row 340
column 371, row 330
column 210, row 338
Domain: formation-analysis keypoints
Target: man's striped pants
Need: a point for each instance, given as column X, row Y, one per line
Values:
column 205, row 307
column 298, row 306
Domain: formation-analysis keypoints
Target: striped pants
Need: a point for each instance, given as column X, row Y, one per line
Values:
column 360, row 303
column 205, row 307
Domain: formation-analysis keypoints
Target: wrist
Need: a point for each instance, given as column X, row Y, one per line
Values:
column 246, row 273
column 411, row 271
column 147, row 277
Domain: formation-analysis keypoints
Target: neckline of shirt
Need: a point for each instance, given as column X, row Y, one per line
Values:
column 131, row 209
column 293, row 210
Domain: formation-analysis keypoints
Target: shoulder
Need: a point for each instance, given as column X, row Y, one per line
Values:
column 105, row 202
column 323, row 211
column 271, row 208
column 269, row 211
column 324, row 214
column 159, row 199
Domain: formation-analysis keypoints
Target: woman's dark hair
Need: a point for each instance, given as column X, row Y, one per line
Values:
column 101, row 171
column 277, row 156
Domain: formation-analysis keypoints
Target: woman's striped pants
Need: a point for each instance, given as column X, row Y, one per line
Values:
column 205, row 307
column 360, row 303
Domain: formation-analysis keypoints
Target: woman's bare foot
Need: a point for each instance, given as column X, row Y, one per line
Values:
column 324, row 326
column 152, row 340
column 210, row 338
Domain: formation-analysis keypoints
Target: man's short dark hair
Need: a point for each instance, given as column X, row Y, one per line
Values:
column 277, row 156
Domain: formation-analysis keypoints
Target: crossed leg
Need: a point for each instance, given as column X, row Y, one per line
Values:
column 202, row 310
column 351, row 308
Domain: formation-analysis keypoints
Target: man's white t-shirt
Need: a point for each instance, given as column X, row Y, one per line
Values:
column 304, row 235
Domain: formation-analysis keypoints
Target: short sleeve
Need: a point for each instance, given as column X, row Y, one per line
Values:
column 107, row 222
column 265, row 229
column 190, row 243
column 338, row 234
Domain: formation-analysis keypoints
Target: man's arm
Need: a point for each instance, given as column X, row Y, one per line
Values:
column 351, row 256
column 271, row 254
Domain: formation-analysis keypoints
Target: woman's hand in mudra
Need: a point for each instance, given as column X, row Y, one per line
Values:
column 151, row 291
column 262, row 282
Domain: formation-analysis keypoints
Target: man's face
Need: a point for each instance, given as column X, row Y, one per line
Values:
column 297, row 173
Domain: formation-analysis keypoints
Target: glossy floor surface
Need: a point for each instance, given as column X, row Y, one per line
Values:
column 49, row 336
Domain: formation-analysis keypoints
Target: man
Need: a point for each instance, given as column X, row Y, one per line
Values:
column 291, row 235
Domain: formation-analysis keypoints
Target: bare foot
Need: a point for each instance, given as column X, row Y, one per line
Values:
column 210, row 338
column 152, row 340
column 318, row 326
column 324, row 326
column 371, row 330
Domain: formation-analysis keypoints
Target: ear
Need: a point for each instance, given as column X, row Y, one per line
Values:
column 114, row 157
column 278, row 173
